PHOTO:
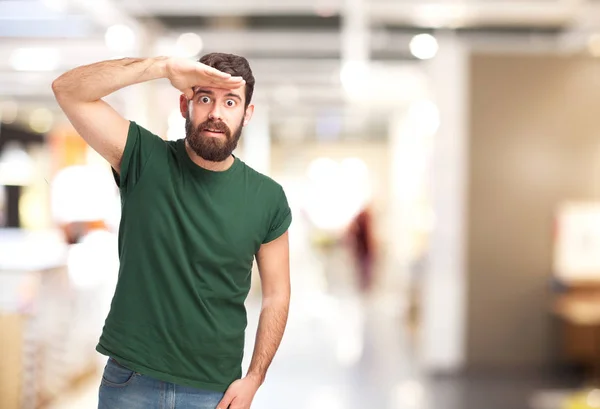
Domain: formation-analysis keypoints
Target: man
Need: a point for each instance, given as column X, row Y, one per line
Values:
column 194, row 216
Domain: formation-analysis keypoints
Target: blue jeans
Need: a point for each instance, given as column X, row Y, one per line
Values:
column 122, row 388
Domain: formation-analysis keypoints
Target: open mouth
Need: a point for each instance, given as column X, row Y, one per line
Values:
column 213, row 131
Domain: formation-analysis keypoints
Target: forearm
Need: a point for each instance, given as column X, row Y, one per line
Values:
column 92, row 82
column 271, row 326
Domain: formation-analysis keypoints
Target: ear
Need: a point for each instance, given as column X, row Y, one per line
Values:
column 248, row 114
column 183, row 105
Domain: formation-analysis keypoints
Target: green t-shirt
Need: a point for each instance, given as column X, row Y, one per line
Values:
column 187, row 241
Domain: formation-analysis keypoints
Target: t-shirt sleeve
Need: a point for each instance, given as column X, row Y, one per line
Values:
column 281, row 219
column 139, row 148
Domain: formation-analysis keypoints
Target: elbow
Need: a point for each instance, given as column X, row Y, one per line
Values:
column 58, row 89
column 279, row 300
column 56, row 86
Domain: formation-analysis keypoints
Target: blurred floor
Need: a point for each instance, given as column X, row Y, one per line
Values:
column 344, row 351
column 325, row 361
column 351, row 354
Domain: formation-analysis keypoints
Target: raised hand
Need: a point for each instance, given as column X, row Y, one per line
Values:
column 185, row 74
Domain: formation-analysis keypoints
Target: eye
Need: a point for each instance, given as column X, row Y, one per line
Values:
column 204, row 99
column 230, row 103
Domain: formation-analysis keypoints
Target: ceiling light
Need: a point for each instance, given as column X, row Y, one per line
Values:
column 189, row 45
column 424, row 46
column 120, row 38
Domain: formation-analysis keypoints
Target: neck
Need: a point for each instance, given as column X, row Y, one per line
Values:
column 207, row 164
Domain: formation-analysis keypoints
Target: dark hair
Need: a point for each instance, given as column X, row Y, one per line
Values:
column 232, row 64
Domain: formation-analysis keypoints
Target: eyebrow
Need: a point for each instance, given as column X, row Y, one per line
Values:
column 209, row 92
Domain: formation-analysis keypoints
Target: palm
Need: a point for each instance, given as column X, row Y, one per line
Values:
column 185, row 74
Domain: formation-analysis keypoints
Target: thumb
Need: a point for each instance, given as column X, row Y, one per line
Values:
column 189, row 93
column 226, row 401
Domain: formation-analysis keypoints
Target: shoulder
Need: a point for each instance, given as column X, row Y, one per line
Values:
column 271, row 200
column 260, row 181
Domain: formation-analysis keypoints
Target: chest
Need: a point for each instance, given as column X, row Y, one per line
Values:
column 223, row 223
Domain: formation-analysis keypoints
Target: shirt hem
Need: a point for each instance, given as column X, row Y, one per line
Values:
column 161, row 376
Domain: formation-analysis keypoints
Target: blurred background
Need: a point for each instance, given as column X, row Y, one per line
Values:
column 441, row 158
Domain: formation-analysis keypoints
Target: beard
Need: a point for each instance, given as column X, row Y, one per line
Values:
column 210, row 148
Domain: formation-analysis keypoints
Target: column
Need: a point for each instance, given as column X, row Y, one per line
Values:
column 355, row 49
column 355, row 32
column 444, row 286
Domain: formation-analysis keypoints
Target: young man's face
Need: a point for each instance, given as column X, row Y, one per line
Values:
column 214, row 121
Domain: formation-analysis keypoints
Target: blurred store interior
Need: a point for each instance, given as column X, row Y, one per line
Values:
column 459, row 139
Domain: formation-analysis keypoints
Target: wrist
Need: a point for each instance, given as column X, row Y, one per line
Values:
column 161, row 66
column 256, row 378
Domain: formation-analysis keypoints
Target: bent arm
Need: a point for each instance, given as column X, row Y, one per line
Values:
column 79, row 93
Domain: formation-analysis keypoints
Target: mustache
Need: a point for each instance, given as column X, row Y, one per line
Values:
column 215, row 125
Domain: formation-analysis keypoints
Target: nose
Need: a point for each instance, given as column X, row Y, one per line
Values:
column 215, row 114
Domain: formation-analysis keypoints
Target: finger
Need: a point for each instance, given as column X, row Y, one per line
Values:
column 207, row 70
column 214, row 72
column 217, row 79
column 225, row 402
column 226, row 84
column 237, row 81
column 233, row 82
column 230, row 82
column 228, row 79
column 219, row 74
column 238, row 404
